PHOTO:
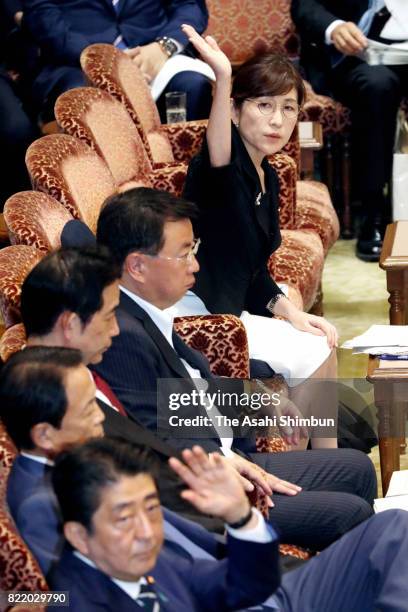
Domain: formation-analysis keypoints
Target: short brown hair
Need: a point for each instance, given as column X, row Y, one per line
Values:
column 266, row 74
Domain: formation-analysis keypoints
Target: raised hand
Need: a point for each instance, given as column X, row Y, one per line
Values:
column 210, row 52
column 214, row 486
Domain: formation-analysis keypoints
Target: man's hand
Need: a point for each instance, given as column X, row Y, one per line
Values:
column 291, row 434
column 214, row 486
column 149, row 58
column 266, row 482
column 348, row 38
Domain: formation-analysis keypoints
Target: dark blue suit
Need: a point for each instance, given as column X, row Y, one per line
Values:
column 338, row 485
column 63, row 30
column 247, row 577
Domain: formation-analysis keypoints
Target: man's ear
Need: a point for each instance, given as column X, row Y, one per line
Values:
column 77, row 536
column 135, row 266
column 42, row 435
column 69, row 323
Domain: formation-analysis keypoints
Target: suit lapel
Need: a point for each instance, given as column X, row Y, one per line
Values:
column 167, row 352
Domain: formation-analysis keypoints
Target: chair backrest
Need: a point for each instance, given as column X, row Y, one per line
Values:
column 244, row 27
column 13, row 340
column 72, row 173
column 94, row 116
column 15, row 263
column 36, row 219
column 108, row 68
column 18, row 568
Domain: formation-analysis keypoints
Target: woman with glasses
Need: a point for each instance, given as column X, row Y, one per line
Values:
column 237, row 193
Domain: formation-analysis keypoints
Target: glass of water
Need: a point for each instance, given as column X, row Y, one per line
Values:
column 176, row 106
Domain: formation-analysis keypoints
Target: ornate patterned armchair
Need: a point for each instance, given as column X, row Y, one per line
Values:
column 72, row 173
column 36, row 219
column 94, row 116
column 15, row 263
column 108, row 68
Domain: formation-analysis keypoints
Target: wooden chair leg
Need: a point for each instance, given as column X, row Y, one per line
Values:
column 329, row 165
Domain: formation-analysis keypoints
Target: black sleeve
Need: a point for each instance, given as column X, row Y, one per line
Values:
column 311, row 19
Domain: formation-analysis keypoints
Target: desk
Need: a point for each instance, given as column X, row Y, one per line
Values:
column 390, row 380
column 394, row 260
column 310, row 140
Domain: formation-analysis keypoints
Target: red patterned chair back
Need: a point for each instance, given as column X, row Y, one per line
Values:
column 13, row 340
column 36, row 219
column 18, row 568
column 68, row 170
column 108, row 68
column 94, row 116
column 244, row 27
column 15, row 263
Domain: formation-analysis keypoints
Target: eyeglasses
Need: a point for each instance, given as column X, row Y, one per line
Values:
column 290, row 110
column 186, row 259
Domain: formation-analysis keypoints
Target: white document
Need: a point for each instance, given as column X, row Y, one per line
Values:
column 380, row 336
column 174, row 65
column 397, row 494
column 376, row 53
column 396, row 27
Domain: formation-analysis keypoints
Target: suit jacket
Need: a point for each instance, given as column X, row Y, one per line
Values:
column 247, row 577
column 34, row 508
column 139, row 356
column 170, row 486
column 63, row 29
column 312, row 17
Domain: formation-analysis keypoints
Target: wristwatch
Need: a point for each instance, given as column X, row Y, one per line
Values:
column 168, row 45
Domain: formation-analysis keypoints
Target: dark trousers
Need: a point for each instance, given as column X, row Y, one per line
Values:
column 373, row 93
column 198, row 95
column 197, row 87
column 363, row 572
column 338, row 489
column 17, row 131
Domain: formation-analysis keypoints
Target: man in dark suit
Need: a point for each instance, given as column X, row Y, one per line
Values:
column 80, row 314
column 150, row 234
column 112, row 520
column 150, row 30
column 333, row 33
column 116, row 561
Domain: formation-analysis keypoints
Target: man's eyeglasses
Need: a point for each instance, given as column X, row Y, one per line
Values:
column 290, row 110
column 187, row 258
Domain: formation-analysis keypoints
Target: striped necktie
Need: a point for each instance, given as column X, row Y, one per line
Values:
column 148, row 598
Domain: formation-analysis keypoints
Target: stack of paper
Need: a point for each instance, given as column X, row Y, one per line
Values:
column 397, row 494
column 390, row 55
column 379, row 339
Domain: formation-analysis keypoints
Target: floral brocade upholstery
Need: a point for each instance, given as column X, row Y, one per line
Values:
column 94, row 116
column 221, row 338
column 108, row 68
column 314, row 210
column 15, row 263
column 36, row 219
column 72, row 173
column 13, row 340
column 244, row 27
column 18, row 568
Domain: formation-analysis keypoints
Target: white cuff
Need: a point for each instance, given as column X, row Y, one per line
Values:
column 260, row 533
column 179, row 46
column 329, row 30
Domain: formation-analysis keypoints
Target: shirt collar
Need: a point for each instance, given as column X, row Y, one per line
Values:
column 37, row 458
column 164, row 319
column 131, row 588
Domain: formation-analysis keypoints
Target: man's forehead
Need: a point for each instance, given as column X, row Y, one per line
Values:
column 129, row 490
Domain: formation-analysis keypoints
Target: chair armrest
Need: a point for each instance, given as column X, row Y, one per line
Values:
column 12, row 341
column 221, row 338
column 285, row 167
column 185, row 138
column 169, row 177
column 292, row 148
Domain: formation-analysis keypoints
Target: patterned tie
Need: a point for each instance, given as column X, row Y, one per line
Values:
column 148, row 598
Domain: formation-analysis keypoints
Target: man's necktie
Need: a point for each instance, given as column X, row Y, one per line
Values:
column 106, row 390
column 118, row 42
column 148, row 598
